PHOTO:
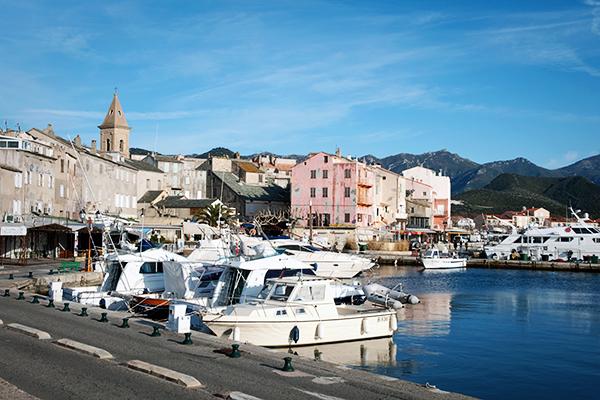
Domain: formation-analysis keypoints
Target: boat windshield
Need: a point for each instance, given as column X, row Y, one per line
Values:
column 428, row 253
column 264, row 293
column 281, row 292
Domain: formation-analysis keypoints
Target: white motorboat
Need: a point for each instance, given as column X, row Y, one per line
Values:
column 125, row 275
column 576, row 241
column 440, row 258
column 326, row 263
column 300, row 310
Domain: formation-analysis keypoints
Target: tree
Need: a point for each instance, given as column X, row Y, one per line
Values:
column 212, row 214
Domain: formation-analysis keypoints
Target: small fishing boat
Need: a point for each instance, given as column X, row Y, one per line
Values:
column 440, row 258
column 300, row 310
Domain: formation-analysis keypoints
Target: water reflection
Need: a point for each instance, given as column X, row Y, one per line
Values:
column 360, row 353
column 431, row 317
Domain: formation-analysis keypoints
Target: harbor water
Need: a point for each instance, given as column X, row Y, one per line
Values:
column 491, row 334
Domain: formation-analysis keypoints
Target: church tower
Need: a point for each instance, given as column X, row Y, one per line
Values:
column 114, row 131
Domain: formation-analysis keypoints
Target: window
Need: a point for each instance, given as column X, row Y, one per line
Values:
column 151, row 268
column 359, row 217
column 313, row 174
column 127, row 176
column 347, row 217
column 326, row 218
column 424, row 193
column 347, row 173
column 325, row 174
column 326, row 159
column 62, row 165
column 347, row 192
column 187, row 180
column 147, row 183
column 174, row 181
column 313, row 192
column 18, row 180
column 325, row 192
column 167, row 167
column 175, row 168
column 134, row 179
column 260, row 178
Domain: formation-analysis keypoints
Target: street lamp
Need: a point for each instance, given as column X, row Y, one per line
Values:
column 445, row 225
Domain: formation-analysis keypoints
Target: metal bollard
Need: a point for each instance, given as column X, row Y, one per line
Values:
column 103, row 318
column 11, row 277
column 66, row 307
column 155, row 332
column 50, row 303
column 83, row 312
column 6, row 293
column 21, row 297
column 35, row 300
column 287, row 367
column 30, row 274
column 235, row 353
column 51, row 272
column 188, row 339
column 125, row 323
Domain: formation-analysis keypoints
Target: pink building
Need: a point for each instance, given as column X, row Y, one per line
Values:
column 337, row 190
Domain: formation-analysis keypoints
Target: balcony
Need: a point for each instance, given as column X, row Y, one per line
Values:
column 401, row 216
column 365, row 182
column 363, row 200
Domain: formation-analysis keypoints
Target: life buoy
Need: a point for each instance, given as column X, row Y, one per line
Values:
column 252, row 232
column 568, row 230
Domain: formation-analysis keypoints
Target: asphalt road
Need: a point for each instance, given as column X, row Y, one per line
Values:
column 47, row 371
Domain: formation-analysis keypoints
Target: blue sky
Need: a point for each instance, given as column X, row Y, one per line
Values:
column 486, row 80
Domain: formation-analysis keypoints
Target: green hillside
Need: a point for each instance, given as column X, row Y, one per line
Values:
column 512, row 192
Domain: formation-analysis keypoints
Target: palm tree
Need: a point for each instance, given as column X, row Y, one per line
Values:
column 212, row 214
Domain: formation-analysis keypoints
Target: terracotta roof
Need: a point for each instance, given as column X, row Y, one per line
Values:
column 247, row 166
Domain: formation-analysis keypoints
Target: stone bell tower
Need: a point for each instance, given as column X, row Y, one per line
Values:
column 114, row 131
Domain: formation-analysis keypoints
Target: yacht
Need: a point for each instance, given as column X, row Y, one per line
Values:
column 576, row 241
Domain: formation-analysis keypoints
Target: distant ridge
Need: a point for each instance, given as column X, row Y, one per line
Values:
column 510, row 191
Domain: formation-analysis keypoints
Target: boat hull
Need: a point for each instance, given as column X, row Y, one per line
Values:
column 443, row 263
column 277, row 332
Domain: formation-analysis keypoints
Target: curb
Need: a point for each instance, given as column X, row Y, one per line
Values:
column 164, row 373
column 36, row 333
column 84, row 348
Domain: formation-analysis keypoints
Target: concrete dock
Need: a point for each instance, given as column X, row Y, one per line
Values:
column 405, row 258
